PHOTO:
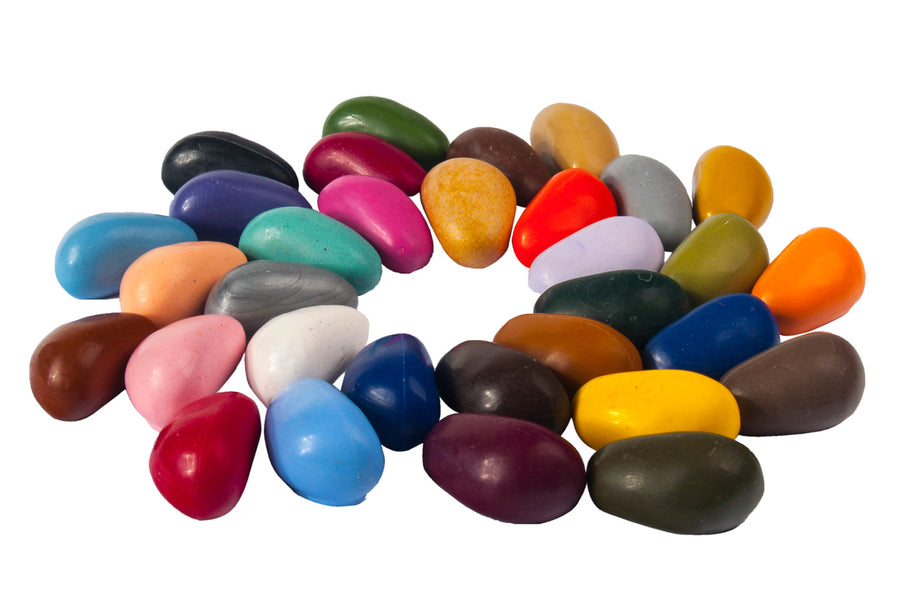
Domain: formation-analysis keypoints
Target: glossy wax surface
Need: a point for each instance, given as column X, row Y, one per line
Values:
column 715, row 336
column 646, row 402
column 612, row 244
column 385, row 217
column 218, row 204
column 504, row 468
column 94, row 254
column 805, row 384
column 294, row 234
column 728, row 179
column 685, row 483
column 355, row 153
column 201, row 460
column 571, row 200
column 182, row 362
column 80, row 366
column 321, row 445
column 637, row 303
column 489, row 378
column 172, row 282
column 571, row 136
column 312, row 342
column 471, row 206
column 648, row 189
column 574, row 348
column 817, row 278
column 215, row 150
column 393, row 122
column 508, row 152
column 258, row 291
column 723, row 254
column 392, row 381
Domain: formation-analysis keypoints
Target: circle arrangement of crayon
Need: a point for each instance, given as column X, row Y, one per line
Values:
column 661, row 328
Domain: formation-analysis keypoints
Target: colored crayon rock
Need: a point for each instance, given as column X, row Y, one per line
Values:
column 321, row 445
column 504, row 468
column 701, row 483
column 393, row 122
column 392, row 382
column 571, row 200
column 715, row 336
column 256, row 292
column 172, row 282
column 614, row 243
column 571, row 136
column 817, row 278
column 649, row 190
column 94, row 254
column 384, row 215
column 723, row 254
column 219, row 204
column 314, row 342
column 80, row 366
column 808, row 383
column 575, row 349
column 309, row 237
column 201, row 460
column 216, row 150
column 508, row 152
column 354, row 153
column 488, row 378
column 471, row 206
column 181, row 363
column 727, row 179
column 647, row 402
column 637, row 303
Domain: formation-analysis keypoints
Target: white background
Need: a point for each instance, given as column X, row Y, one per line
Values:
column 94, row 95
